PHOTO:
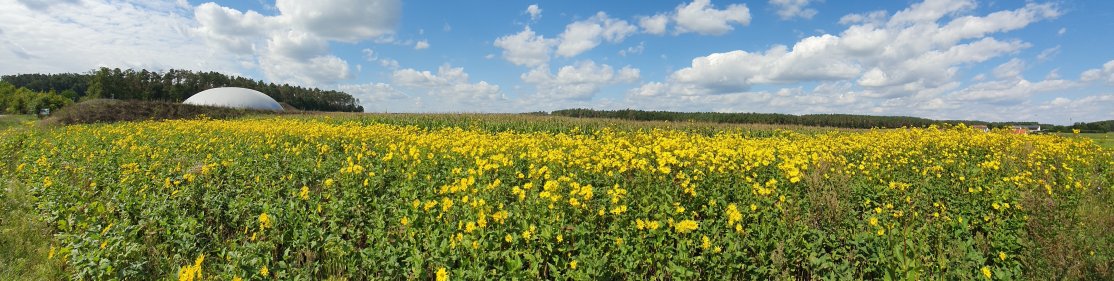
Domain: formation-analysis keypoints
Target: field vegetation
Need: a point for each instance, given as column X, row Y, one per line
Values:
column 541, row 197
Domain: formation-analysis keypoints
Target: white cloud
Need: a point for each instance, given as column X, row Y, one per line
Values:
column 736, row 71
column 1087, row 108
column 1047, row 54
column 534, row 11
column 654, row 24
column 421, row 45
column 1106, row 73
column 873, row 18
column 297, row 39
column 369, row 55
column 908, row 54
column 526, row 48
column 449, row 82
column 1012, row 90
column 789, row 9
column 44, row 4
column 1010, row 69
column 581, row 36
column 236, row 31
column 633, row 50
column 75, row 36
column 702, row 17
column 342, row 20
column 930, row 11
column 1062, row 31
column 907, row 64
column 388, row 63
column 577, row 82
column 371, row 93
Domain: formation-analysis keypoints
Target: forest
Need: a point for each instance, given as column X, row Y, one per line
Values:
column 20, row 100
column 174, row 85
column 821, row 120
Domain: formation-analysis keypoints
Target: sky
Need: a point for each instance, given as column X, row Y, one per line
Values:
column 1042, row 60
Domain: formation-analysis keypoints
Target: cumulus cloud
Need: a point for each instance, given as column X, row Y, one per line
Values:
column 789, row 9
column 581, row 36
column 74, row 36
column 449, row 82
column 342, row 20
column 43, row 4
column 699, row 16
column 736, row 71
column 580, row 81
column 633, row 50
column 293, row 46
column 1106, row 73
column 534, row 11
column 421, row 45
column 905, row 64
column 372, row 93
column 654, row 24
column 526, row 48
column 909, row 53
column 702, row 17
column 1008, row 91
column 1010, row 69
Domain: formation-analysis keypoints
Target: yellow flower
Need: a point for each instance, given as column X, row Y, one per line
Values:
column 508, row 238
column 265, row 221
column 264, row 272
column 404, row 221
column 237, row 278
column 733, row 214
column 686, row 226
column 442, row 274
column 707, row 243
column 986, row 272
column 1002, row 255
column 881, row 231
column 873, row 221
column 305, row 193
column 572, row 264
column 560, row 238
column 104, row 244
column 328, row 182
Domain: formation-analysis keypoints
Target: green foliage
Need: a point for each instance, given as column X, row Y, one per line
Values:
column 24, row 101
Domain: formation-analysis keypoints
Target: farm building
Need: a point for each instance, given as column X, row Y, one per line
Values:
column 235, row 98
column 1018, row 129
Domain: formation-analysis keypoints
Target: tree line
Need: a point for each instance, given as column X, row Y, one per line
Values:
column 21, row 100
column 819, row 120
column 174, row 85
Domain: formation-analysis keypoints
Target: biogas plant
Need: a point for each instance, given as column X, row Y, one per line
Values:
column 235, row 97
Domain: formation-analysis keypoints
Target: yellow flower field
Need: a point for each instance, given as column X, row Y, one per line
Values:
column 313, row 198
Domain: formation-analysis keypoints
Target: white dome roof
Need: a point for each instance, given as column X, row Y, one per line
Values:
column 236, row 98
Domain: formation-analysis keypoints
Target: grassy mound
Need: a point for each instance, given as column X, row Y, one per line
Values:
column 108, row 111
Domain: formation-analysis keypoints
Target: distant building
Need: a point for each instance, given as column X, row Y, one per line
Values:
column 982, row 128
column 1025, row 129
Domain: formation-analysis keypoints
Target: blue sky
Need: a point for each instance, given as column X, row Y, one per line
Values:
column 1047, row 61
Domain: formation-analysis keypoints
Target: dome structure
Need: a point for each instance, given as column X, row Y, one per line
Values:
column 235, row 97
